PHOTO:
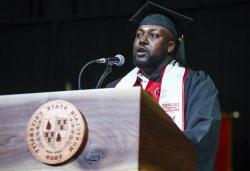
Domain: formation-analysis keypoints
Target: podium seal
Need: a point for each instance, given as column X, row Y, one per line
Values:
column 56, row 132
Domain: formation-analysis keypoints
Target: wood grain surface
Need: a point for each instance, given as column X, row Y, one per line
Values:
column 163, row 146
column 126, row 131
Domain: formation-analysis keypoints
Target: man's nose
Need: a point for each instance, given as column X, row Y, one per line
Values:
column 143, row 39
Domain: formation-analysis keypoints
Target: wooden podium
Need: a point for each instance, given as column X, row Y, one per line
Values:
column 127, row 131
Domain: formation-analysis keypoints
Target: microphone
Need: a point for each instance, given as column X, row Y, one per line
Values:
column 117, row 60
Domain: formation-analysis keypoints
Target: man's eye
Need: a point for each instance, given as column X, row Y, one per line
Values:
column 154, row 35
column 138, row 35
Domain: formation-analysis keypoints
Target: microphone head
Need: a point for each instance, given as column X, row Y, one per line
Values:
column 121, row 60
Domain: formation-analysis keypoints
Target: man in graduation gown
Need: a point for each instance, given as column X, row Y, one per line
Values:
column 189, row 97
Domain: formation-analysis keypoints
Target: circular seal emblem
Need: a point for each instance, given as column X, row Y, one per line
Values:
column 56, row 132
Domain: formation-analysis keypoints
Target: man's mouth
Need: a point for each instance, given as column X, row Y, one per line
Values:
column 142, row 51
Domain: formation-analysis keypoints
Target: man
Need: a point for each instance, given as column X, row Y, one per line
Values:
column 188, row 96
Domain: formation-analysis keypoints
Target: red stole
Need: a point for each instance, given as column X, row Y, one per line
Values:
column 153, row 87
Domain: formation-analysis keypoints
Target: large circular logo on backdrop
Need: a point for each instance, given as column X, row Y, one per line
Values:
column 56, row 132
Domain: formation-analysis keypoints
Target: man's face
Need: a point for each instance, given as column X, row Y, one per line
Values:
column 151, row 45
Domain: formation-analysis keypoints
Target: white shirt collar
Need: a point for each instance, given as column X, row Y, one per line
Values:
column 143, row 79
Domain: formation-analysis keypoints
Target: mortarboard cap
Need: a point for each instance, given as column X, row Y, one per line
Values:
column 154, row 14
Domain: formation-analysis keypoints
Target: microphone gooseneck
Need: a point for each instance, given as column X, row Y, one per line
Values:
column 117, row 60
column 80, row 74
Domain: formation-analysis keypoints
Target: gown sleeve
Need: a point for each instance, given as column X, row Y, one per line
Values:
column 202, row 117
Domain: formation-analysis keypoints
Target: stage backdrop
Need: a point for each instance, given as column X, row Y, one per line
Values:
column 44, row 44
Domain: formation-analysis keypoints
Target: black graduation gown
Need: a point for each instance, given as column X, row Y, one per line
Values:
column 202, row 116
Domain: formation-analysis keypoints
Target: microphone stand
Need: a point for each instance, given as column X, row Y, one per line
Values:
column 106, row 72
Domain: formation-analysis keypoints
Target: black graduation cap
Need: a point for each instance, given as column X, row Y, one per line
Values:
column 154, row 14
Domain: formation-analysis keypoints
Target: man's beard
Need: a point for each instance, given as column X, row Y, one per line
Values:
column 149, row 61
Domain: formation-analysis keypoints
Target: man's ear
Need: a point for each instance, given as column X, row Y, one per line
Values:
column 171, row 47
